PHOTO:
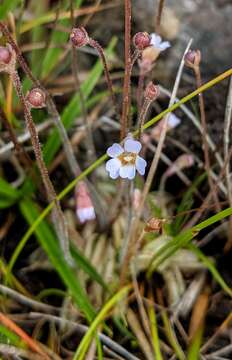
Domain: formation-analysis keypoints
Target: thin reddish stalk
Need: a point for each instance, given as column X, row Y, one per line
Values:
column 100, row 51
column 126, row 86
column 57, row 214
column 159, row 16
column 26, row 338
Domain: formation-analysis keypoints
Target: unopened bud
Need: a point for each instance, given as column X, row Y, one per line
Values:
column 141, row 40
column 152, row 91
column 36, row 98
column 79, row 37
column 193, row 58
column 5, row 55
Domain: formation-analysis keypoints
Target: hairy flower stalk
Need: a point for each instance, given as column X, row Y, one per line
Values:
column 151, row 94
column 8, row 65
column 79, row 38
column 126, row 85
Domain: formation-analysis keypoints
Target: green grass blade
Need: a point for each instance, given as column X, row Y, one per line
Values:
column 30, row 212
column 211, row 267
column 154, row 332
column 85, row 265
column 8, row 191
column 83, row 347
column 10, row 338
column 7, row 6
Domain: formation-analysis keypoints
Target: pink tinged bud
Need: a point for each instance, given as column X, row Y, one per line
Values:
column 36, row 98
column 182, row 162
column 152, row 91
column 141, row 40
column 193, row 58
column 84, row 206
column 79, row 37
column 5, row 55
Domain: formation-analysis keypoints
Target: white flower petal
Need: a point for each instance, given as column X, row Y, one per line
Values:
column 155, row 40
column 127, row 172
column 86, row 214
column 173, row 120
column 113, row 166
column 140, row 165
column 133, row 146
column 164, row 45
column 115, row 150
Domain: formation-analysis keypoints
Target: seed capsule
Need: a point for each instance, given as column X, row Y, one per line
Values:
column 36, row 98
column 79, row 37
column 141, row 40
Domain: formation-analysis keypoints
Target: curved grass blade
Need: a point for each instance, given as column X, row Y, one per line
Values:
column 82, row 348
column 47, row 241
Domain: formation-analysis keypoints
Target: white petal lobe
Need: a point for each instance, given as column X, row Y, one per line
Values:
column 132, row 146
column 127, row 172
column 114, row 150
column 140, row 165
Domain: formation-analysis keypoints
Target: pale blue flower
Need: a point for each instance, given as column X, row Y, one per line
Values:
column 125, row 160
column 157, row 42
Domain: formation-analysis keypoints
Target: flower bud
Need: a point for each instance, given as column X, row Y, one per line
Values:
column 84, row 207
column 36, row 98
column 5, row 55
column 152, row 91
column 193, row 58
column 141, row 40
column 79, row 37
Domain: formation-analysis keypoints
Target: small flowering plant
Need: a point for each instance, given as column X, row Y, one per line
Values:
column 125, row 160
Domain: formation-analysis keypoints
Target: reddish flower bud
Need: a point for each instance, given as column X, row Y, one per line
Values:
column 5, row 55
column 36, row 98
column 193, row 58
column 152, row 91
column 141, row 40
column 79, row 37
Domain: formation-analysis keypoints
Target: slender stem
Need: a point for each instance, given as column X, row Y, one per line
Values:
column 159, row 16
column 57, row 215
column 100, row 51
column 204, row 135
column 140, row 91
column 227, row 129
column 126, row 86
column 142, row 116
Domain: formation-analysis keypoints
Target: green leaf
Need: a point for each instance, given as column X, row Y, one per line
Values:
column 10, row 338
column 83, row 347
column 8, row 191
column 7, row 6
column 211, row 267
column 51, row 247
column 85, row 265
